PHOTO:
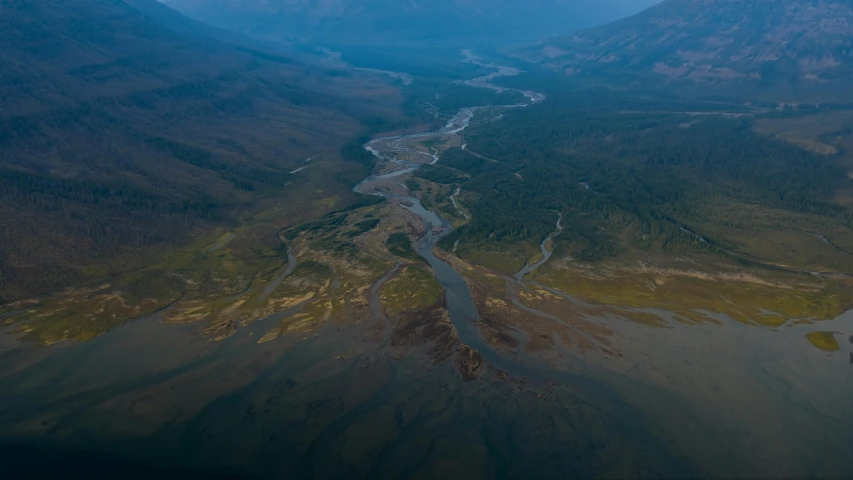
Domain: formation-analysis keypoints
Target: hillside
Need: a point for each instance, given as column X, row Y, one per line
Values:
column 781, row 50
column 385, row 22
column 125, row 127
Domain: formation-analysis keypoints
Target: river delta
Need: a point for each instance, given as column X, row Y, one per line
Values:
column 315, row 374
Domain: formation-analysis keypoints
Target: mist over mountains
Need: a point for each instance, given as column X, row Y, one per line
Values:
column 426, row 238
column 416, row 22
column 788, row 49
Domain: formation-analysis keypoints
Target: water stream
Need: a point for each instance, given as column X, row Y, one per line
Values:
column 288, row 269
column 546, row 254
column 460, row 304
column 652, row 352
column 456, row 205
column 717, row 400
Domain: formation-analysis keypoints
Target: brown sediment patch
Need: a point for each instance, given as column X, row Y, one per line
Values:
column 314, row 314
column 189, row 312
column 301, row 323
column 20, row 305
column 468, row 361
column 643, row 318
column 276, row 305
column 662, row 276
column 540, row 338
column 221, row 330
column 498, row 319
column 515, row 315
column 432, row 327
column 233, row 308
column 564, row 317
column 495, row 329
column 270, row 336
column 222, row 286
column 328, row 287
column 690, row 317
column 506, row 326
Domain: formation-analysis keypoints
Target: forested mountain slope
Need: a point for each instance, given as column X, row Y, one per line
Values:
column 785, row 50
column 125, row 126
column 388, row 22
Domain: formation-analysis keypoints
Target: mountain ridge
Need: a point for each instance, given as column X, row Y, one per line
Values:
column 120, row 134
column 416, row 22
column 788, row 49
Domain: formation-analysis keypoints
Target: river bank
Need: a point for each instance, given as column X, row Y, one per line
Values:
column 529, row 382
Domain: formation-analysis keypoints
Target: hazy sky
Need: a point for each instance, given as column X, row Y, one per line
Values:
column 416, row 21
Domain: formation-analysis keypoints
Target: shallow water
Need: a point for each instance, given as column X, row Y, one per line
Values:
column 288, row 269
column 543, row 247
column 716, row 400
column 710, row 400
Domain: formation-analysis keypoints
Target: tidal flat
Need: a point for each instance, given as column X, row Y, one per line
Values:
column 343, row 357
column 357, row 345
column 722, row 399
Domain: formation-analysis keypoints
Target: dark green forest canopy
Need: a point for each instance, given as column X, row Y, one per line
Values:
column 609, row 169
column 122, row 138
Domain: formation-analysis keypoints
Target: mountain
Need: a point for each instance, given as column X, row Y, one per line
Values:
column 126, row 127
column 413, row 22
column 794, row 50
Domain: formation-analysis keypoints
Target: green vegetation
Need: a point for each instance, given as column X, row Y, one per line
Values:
column 639, row 179
column 327, row 224
column 235, row 276
column 666, row 50
column 447, row 97
column 196, row 272
column 823, row 340
column 363, row 227
column 440, row 174
column 400, row 245
column 770, row 300
column 181, row 192
column 109, row 162
column 313, row 269
column 436, row 64
column 413, row 185
column 414, row 288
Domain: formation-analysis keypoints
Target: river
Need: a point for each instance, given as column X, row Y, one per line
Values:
column 714, row 400
column 461, row 306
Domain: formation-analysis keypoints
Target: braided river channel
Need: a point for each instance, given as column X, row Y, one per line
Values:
column 156, row 399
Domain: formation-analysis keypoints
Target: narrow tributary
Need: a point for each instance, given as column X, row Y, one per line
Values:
column 460, row 303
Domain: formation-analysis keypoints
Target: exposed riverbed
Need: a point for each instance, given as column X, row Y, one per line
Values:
column 720, row 399
column 460, row 304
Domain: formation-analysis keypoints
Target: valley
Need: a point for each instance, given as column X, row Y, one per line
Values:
column 338, row 318
column 779, row 52
column 319, row 261
column 384, row 24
